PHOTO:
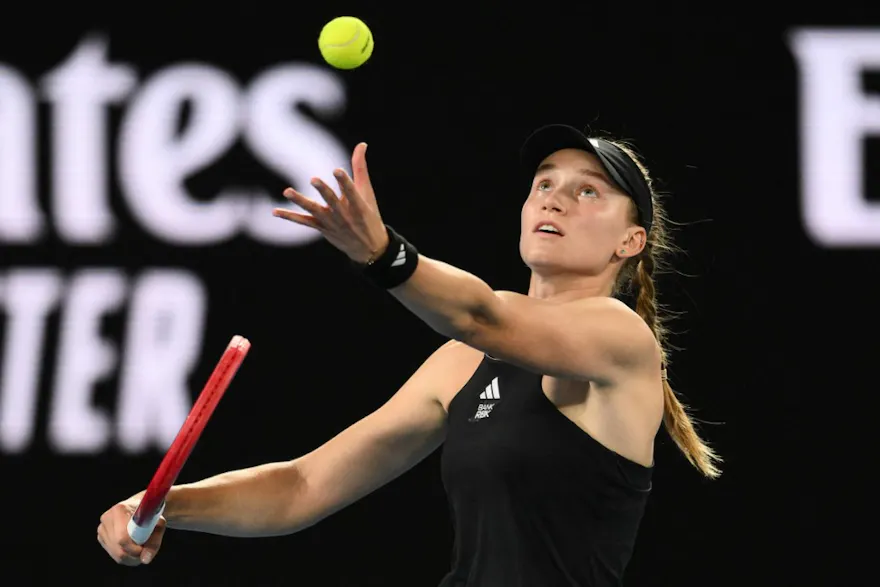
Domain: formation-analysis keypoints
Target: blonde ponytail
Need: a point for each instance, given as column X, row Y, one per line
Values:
column 676, row 419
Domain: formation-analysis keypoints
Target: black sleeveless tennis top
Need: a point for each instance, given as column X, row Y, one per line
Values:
column 535, row 501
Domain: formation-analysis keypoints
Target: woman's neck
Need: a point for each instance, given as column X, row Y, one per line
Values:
column 563, row 288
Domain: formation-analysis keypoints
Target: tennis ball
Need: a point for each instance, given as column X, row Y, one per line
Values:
column 346, row 42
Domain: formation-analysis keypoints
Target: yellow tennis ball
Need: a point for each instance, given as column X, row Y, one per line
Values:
column 346, row 42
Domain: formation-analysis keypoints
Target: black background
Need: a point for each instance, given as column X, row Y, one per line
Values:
column 777, row 333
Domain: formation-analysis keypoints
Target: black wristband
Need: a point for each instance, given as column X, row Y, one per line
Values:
column 395, row 265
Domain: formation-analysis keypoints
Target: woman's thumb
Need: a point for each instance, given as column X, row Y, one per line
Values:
column 151, row 546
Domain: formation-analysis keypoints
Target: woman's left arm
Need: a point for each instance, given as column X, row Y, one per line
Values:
column 581, row 339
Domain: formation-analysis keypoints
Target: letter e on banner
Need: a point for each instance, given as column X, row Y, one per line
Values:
column 836, row 115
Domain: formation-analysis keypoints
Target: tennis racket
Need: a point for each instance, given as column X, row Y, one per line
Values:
column 150, row 509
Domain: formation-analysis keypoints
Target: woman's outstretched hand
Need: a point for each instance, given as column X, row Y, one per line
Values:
column 351, row 221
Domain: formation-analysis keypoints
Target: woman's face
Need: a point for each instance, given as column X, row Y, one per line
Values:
column 574, row 220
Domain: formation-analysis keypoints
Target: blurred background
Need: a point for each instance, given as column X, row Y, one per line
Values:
column 142, row 148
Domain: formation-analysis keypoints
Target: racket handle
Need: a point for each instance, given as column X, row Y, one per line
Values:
column 140, row 534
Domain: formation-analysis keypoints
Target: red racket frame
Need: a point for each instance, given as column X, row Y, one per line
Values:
column 144, row 519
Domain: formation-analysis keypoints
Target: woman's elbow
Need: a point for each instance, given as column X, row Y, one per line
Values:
column 474, row 325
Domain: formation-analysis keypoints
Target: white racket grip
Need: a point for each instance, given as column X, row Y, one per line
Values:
column 139, row 534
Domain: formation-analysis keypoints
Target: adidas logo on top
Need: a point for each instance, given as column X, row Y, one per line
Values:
column 488, row 398
column 491, row 391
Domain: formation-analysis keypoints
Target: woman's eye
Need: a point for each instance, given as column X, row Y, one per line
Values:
column 589, row 193
column 544, row 185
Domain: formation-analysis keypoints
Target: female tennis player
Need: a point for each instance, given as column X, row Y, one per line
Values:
column 547, row 405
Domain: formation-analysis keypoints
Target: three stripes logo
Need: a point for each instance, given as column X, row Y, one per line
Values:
column 488, row 398
column 491, row 391
column 401, row 257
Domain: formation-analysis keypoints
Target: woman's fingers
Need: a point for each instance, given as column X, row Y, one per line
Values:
column 361, row 176
column 351, row 193
column 359, row 164
column 344, row 214
column 321, row 213
column 329, row 195
column 303, row 219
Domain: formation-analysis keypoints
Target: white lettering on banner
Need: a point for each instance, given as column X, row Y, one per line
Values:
column 21, row 220
column 84, row 360
column 268, row 104
column 151, row 160
column 29, row 295
column 163, row 338
column 79, row 91
column 836, row 114
column 164, row 328
column 154, row 158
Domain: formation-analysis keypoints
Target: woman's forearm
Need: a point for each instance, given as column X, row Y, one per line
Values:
column 267, row 500
column 448, row 299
